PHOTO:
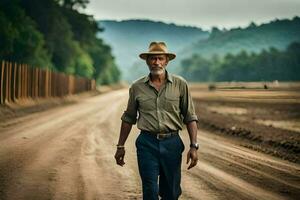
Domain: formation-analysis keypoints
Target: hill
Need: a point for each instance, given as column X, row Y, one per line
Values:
column 129, row 37
column 278, row 34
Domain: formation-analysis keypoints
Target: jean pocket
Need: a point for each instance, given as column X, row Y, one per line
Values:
column 137, row 140
column 182, row 144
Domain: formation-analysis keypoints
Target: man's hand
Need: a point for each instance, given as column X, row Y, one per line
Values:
column 192, row 155
column 119, row 156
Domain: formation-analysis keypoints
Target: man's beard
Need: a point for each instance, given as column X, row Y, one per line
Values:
column 157, row 71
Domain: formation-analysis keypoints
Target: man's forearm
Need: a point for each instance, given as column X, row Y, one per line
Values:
column 124, row 132
column 192, row 130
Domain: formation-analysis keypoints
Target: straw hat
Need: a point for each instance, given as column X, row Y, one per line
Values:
column 157, row 48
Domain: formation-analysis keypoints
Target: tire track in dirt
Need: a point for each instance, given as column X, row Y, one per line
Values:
column 22, row 154
column 281, row 167
column 98, row 152
column 195, row 188
column 233, row 165
column 18, row 155
column 35, row 178
column 231, row 162
column 238, row 184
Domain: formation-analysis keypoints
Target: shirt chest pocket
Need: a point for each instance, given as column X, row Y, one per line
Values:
column 146, row 103
column 171, row 103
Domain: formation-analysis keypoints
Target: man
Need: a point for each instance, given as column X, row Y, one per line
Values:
column 160, row 103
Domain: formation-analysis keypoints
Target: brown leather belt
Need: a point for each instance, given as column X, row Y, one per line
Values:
column 161, row 135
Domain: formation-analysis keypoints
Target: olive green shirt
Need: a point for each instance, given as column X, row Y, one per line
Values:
column 160, row 111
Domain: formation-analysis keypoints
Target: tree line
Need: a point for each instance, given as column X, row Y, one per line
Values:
column 277, row 33
column 268, row 65
column 54, row 34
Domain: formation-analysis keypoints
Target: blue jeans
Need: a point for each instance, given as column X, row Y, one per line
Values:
column 160, row 159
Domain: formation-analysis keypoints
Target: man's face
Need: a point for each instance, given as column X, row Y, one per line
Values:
column 157, row 63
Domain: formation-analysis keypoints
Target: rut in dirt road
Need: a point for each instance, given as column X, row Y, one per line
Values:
column 67, row 153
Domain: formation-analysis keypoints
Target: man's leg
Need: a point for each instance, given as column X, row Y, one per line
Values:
column 170, row 164
column 148, row 162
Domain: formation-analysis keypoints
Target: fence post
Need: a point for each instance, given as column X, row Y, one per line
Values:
column 29, row 82
column 50, row 84
column 36, row 82
column 54, row 81
column 19, row 81
column 26, row 81
column 32, row 77
column 46, row 83
column 40, row 83
column 14, row 82
column 2, row 83
column 22, row 81
column 7, row 82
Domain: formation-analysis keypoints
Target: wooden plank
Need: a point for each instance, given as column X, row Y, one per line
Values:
column 32, row 82
column 36, row 84
column 46, row 83
column 7, row 82
column 19, row 81
column 22, row 82
column 26, row 81
column 2, row 83
column 54, row 84
column 41, row 83
column 69, row 85
column 49, row 84
column 29, row 92
column 14, row 81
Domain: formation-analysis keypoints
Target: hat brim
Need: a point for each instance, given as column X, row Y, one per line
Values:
column 145, row 55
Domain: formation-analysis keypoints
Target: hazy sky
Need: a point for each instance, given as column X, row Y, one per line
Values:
column 201, row 13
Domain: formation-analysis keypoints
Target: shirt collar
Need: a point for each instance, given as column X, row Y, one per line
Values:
column 169, row 77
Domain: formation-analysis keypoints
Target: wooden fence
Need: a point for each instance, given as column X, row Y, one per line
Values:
column 20, row 81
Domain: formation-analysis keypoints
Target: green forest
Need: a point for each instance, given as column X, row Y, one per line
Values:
column 219, row 54
column 129, row 37
column 266, row 52
column 268, row 65
column 54, row 34
column 278, row 33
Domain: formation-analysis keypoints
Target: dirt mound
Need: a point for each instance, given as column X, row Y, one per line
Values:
column 268, row 126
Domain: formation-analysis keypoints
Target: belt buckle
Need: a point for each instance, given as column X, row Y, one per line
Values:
column 160, row 136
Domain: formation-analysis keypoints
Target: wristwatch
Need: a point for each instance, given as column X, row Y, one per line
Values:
column 194, row 145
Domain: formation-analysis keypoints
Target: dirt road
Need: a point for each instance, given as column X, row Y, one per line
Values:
column 67, row 153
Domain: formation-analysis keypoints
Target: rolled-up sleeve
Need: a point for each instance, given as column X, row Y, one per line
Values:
column 186, row 105
column 130, row 114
